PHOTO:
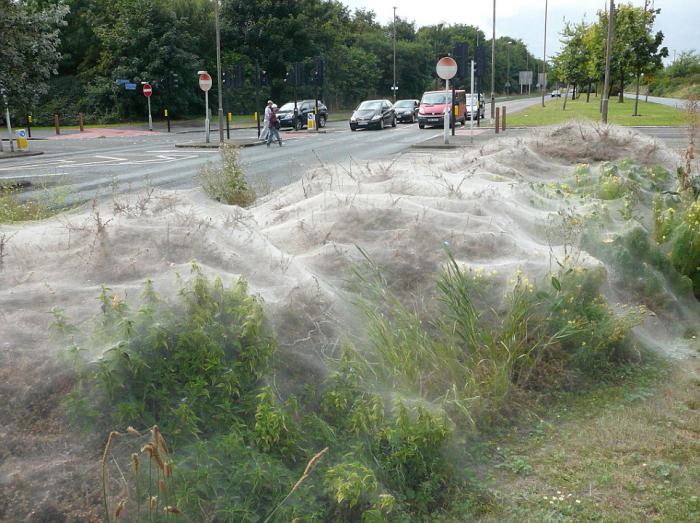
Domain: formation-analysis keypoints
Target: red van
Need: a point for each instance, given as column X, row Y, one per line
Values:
column 432, row 107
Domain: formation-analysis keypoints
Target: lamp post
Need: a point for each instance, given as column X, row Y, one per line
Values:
column 218, row 72
column 544, row 55
column 507, row 86
column 493, row 63
column 393, row 87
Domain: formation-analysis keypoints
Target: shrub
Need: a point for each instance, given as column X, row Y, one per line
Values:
column 352, row 486
column 226, row 183
column 192, row 368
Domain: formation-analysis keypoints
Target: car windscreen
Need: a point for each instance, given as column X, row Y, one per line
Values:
column 404, row 103
column 366, row 106
column 289, row 106
column 433, row 98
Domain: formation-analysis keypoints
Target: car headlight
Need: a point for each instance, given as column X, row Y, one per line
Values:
column 376, row 117
column 353, row 118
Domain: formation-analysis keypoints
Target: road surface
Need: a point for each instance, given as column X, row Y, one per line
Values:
column 88, row 168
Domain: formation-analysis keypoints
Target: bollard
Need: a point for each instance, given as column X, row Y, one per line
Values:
column 228, row 126
column 56, row 124
column 167, row 117
column 80, row 122
column 503, row 123
column 498, row 117
column 29, row 125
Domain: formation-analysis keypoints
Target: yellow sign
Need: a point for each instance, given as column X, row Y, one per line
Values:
column 22, row 142
column 310, row 122
column 29, row 118
column 166, row 113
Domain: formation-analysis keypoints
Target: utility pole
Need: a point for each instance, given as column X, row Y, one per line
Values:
column 639, row 68
column 608, row 52
column 393, row 87
column 544, row 54
column 218, row 72
column 493, row 63
column 508, row 69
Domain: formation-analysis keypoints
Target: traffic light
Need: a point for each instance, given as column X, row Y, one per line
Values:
column 239, row 77
column 460, row 56
column 319, row 70
column 480, row 61
column 298, row 74
column 263, row 77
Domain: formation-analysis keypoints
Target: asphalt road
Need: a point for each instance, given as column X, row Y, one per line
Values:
column 89, row 168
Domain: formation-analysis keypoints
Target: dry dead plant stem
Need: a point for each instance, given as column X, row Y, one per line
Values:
column 310, row 466
column 4, row 240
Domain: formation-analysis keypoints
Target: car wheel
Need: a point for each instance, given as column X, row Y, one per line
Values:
column 298, row 125
column 393, row 122
column 381, row 123
column 413, row 118
column 421, row 125
column 353, row 127
column 322, row 121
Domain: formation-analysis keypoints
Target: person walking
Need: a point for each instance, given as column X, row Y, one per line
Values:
column 274, row 127
column 266, row 122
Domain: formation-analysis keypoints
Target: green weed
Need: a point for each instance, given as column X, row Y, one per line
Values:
column 226, row 183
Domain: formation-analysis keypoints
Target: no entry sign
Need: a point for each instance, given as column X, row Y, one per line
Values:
column 446, row 68
column 147, row 90
column 205, row 81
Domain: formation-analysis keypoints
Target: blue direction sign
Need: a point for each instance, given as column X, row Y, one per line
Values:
column 130, row 87
column 121, row 81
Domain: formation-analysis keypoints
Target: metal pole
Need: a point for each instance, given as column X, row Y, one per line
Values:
column 218, row 73
column 544, row 55
column 9, row 126
column 493, row 63
column 471, row 103
column 608, row 52
column 150, row 119
column 206, row 118
column 446, row 115
column 508, row 69
column 393, row 87
column 455, row 109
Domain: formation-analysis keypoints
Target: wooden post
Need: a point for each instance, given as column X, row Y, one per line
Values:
column 56, row 124
column 503, row 125
column 498, row 117
column 80, row 122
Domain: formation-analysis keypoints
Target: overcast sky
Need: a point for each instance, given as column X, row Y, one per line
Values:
column 679, row 19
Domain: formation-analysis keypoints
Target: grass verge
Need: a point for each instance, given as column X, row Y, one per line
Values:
column 625, row 451
column 619, row 114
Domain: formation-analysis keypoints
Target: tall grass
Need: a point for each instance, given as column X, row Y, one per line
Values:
column 476, row 363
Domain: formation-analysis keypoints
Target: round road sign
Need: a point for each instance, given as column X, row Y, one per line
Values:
column 205, row 81
column 446, row 68
column 147, row 90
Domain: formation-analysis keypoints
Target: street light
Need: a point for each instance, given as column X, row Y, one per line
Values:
column 218, row 72
column 507, row 86
column 493, row 63
column 544, row 55
column 394, row 87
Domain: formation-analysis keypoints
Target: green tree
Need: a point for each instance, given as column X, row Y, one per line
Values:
column 29, row 55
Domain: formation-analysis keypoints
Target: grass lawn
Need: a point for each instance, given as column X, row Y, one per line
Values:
column 619, row 114
column 619, row 453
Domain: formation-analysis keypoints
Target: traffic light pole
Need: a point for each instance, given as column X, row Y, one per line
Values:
column 218, row 74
